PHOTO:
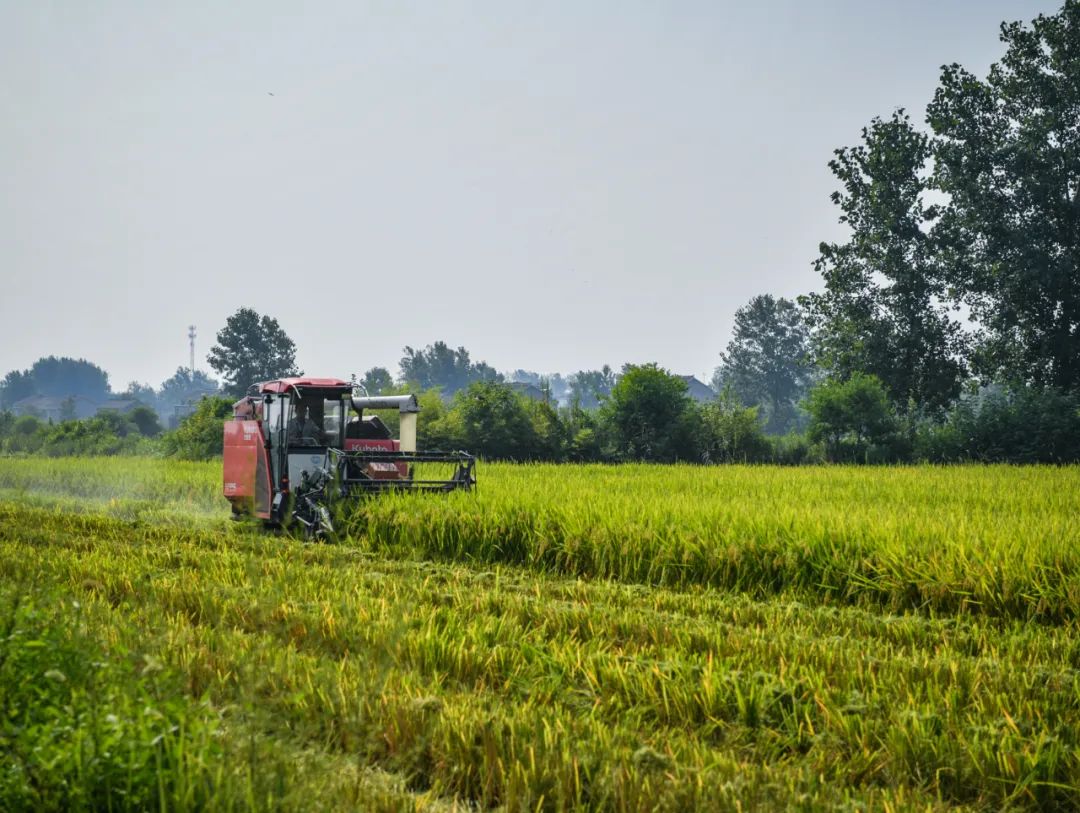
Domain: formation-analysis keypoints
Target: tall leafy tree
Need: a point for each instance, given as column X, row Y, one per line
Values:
column 850, row 416
column 55, row 376
column 146, row 419
column 439, row 365
column 184, row 386
column 17, row 384
column 765, row 363
column 650, row 415
column 251, row 348
column 494, row 421
column 377, row 380
column 881, row 310
column 65, row 376
column 1008, row 157
column 587, row 388
column 731, row 432
column 140, row 392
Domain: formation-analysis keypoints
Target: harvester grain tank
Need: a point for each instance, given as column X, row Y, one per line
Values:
column 295, row 445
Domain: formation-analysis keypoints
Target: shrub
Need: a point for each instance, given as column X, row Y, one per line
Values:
column 24, row 435
column 650, row 416
column 201, row 434
column 494, row 422
column 438, row 428
column 795, row 449
column 146, row 421
column 731, row 432
column 1030, row 425
column 853, row 419
column 106, row 434
column 550, row 433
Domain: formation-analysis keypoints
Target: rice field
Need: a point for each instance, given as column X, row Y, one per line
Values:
column 566, row 637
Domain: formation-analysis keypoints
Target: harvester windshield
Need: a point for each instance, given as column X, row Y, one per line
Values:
column 316, row 419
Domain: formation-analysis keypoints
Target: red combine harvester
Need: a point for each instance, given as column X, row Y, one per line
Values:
column 296, row 444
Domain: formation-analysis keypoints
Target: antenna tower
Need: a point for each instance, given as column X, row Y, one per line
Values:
column 191, row 343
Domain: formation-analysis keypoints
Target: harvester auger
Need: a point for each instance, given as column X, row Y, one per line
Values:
column 295, row 446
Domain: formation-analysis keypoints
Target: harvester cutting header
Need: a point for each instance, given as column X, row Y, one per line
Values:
column 296, row 444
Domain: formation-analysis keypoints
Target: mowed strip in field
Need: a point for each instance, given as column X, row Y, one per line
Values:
column 634, row 638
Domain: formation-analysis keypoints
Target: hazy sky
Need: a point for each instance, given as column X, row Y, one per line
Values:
column 553, row 185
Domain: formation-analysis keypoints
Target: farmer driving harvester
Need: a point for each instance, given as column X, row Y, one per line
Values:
column 302, row 427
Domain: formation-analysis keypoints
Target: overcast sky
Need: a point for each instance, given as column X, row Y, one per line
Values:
column 554, row 186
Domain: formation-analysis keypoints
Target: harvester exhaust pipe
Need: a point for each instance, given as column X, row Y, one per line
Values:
column 407, row 407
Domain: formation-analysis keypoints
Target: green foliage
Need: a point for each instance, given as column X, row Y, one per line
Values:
column 67, row 376
column 105, row 434
column 584, row 434
column 585, row 445
column 550, row 435
column 1006, row 158
column 489, row 419
column 26, row 425
column 24, row 435
column 437, row 427
column 114, row 423
column 146, row 420
column 440, row 366
column 731, row 432
column 377, row 381
column 651, row 417
column 108, row 433
column 184, row 387
column 879, row 312
column 53, row 376
column 766, row 361
column 16, row 385
column 141, row 392
column 1028, row 425
column 853, row 418
column 554, row 386
column 251, row 349
column 201, row 434
column 589, row 388
column 495, row 422
column 795, row 449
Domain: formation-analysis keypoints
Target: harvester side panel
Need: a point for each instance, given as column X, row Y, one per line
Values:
column 246, row 473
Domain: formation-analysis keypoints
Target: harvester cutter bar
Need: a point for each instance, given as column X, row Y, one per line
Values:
column 350, row 468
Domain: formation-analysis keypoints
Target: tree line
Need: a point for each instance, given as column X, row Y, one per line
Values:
column 70, row 378
column 647, row 416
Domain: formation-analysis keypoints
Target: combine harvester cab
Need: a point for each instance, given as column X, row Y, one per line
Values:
column 297, row 444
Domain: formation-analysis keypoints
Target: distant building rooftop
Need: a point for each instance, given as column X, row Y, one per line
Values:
column 528, row 390
column 701, row 393
column 121, row 405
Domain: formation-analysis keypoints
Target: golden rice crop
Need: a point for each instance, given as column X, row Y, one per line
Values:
column 608, row 638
